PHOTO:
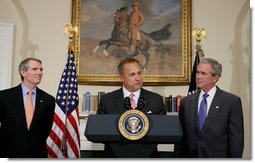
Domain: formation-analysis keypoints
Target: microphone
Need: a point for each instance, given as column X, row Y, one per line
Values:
column 127, row 103
column 140, row 104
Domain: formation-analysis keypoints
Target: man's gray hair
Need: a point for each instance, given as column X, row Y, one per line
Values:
column 216, row 66
column 23, row 66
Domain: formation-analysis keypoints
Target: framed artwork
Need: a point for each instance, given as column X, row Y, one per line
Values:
column 103, row 40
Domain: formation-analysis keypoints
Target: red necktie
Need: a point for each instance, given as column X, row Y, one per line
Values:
column 132, row 101
column 29, row 109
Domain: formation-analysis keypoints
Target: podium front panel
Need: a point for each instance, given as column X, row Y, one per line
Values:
column 102, row 128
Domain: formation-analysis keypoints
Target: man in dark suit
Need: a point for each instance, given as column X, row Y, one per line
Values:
column 130, row 73
column 220, row 133
column 21, row 137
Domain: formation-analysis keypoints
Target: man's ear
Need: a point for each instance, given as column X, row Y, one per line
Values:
column 23, row 73
column 121, row 77
column 216, row 78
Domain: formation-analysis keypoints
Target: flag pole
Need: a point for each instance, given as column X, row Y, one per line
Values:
column 198, row 33
column 70, row 30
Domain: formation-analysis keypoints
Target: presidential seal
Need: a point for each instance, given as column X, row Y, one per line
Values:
column 133, row 124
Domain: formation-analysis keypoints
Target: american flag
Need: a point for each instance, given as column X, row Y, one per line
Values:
column 193, row 84
column 64, row 138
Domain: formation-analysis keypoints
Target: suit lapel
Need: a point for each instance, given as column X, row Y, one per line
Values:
column 38, row 107
column 119, row 101
column 20, row 106
column 215, row 108
column 194, row 109
column 144, row 96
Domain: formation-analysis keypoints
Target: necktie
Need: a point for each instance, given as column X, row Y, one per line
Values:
column 29, row 109
column 202, row 112
column 132, row 101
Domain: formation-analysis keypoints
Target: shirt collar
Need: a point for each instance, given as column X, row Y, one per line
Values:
column 211, row 93
column 127, row 93
column 25, row 89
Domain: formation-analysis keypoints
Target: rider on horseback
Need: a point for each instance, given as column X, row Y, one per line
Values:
column 136, row 20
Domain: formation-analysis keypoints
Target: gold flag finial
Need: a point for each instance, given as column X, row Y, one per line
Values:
column 198, row 33
column 71, row 31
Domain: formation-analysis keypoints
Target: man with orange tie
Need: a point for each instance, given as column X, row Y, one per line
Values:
column 130, row 73
column 26, row 114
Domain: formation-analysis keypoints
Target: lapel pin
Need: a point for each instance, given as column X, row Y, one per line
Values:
column 41, row 100
column 217, row 107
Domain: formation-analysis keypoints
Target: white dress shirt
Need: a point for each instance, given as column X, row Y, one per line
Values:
column 209, row 99
column 136, row 93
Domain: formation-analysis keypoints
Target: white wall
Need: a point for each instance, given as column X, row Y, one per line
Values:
column 6, row 39
column 38, row 32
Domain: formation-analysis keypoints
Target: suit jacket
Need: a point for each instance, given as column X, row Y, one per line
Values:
column 15, row 138
column 112, row 103
column 223, row 134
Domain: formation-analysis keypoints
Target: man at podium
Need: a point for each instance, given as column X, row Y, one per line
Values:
column 130, row 73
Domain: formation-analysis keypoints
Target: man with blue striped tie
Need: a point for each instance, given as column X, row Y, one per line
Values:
column 211, row 119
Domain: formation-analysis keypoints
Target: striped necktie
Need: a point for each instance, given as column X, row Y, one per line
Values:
column 202, row 112
column 132, row 101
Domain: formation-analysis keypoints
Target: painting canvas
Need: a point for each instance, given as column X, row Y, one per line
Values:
column 163, row 50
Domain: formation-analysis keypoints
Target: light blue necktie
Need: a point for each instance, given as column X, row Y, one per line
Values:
column 202, row 112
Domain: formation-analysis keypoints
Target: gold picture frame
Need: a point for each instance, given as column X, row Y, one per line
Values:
column 177, row 58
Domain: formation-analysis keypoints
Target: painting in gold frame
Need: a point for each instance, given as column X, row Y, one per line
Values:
column 167, row 28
